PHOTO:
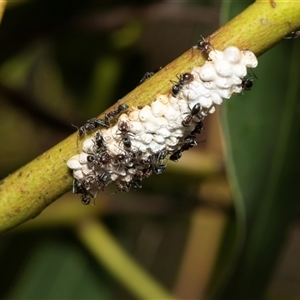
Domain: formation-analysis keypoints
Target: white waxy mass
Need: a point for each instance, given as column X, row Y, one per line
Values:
column 141, row 140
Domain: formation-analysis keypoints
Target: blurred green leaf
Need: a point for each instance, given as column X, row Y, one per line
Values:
column 261, row 132
column 58, row 270
column 103, row 83
column 30, row 20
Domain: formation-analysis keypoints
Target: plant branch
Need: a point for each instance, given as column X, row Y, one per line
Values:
column 26, row 192
column 106, row 250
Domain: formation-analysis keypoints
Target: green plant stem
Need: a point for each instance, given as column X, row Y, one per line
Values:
column 106, row 250
column 26, row 192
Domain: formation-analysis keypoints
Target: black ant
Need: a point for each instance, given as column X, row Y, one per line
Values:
column 155, row 158
column 104, row 179
column 85, row 199
column 293, row 34
column 146, row 162
column 99, row 141
column 82, row 130
column 176, row 89
column 159, row 169
column 126, row 141
column 161, row 155
column 139, row 174
column 190, row 140
column 148, row 75
column 198, row 128
column 124, row 132
column 105, row 158
column 112, row 114
column 91, row 125
column 204, row 45
column 95, row 123
column 176, row 155
column 136, row 183
column 88, row 182
column 119, row 157
column 91, row 158
column 121, row 160
column 78, row 188
column 247, row 82
column 122, row 107
column 135, row 156
column 194, row 112
column 183, row 79
column 94, row 159
column 122, row 188
column 99, row 158
column 145, row 173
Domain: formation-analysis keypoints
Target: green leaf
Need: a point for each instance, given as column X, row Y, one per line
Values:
column 56, row 269
column 261, row 132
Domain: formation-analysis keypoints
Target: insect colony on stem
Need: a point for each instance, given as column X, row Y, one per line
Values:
column 130, row 144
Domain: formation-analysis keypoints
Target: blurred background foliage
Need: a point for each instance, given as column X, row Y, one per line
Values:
column 197, row 230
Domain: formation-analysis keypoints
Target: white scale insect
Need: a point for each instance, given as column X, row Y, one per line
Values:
column 153, row 133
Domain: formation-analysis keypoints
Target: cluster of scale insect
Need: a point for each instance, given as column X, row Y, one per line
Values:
column 128, row 145
column 98, row 165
